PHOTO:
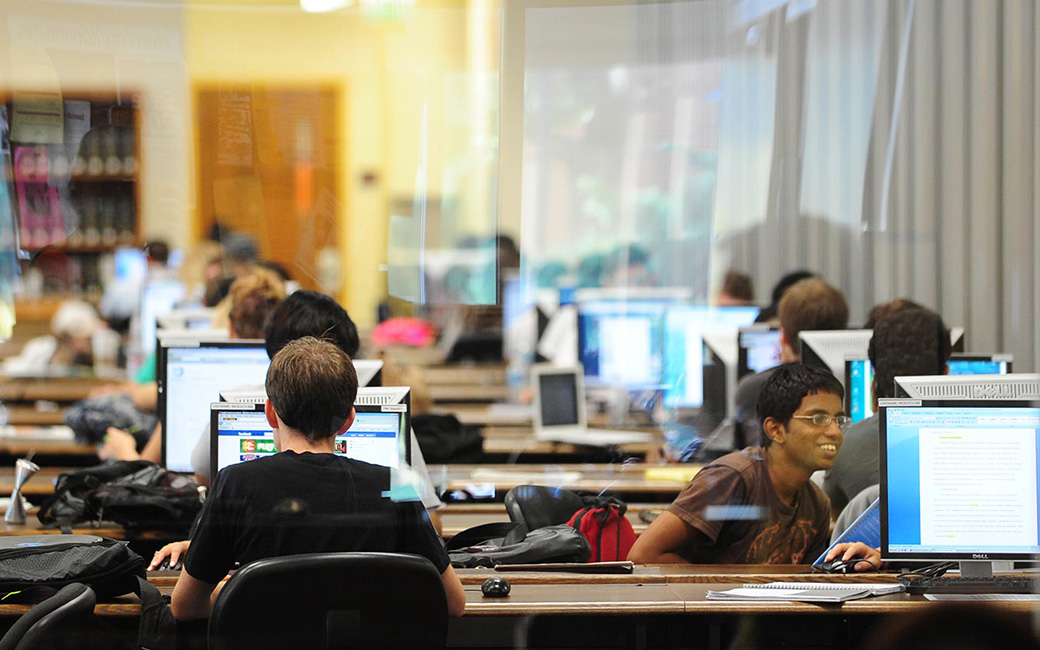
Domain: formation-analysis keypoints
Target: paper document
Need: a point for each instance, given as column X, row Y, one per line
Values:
column 808, row 592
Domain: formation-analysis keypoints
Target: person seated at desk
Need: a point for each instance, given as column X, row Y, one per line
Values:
column 305, row 498
column 759, row 506
column 907, row 341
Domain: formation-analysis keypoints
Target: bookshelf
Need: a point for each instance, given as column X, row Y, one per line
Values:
column 74, row 186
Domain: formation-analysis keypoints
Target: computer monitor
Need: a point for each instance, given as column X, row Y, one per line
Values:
column 830, row 348
column 859, row 395
column 621, row 343
column 369, row 372
column 240, row 432
column 859, row 376
column 1009, row 387
column 980, row 364
column 959, row 481
column 158, row 298
column 758, row 349
column 687, row 329
column 187, row 319
column 193, row 377
column 131, row 265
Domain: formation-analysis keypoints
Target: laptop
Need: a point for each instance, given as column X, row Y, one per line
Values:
column 559, row 410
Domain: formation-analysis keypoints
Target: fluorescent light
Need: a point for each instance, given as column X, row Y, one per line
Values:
column 322, row 6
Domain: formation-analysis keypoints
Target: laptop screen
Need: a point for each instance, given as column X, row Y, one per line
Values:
column 558, row 399
column 241, row 433
column 194, row 377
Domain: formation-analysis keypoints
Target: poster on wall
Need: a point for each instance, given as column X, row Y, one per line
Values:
column 38, row 204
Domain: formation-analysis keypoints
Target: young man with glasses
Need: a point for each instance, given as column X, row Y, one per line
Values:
column 758, row 505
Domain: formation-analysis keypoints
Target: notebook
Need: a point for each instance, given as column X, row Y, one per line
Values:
column 559, row 410
column 807, row 592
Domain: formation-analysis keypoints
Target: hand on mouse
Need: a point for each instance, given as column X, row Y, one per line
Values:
column 869, row 558
column 172, row 552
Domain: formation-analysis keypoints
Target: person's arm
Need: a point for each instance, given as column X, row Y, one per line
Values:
column 152, row 451
column 871, row 557
column 192, row 598
column 453, row 590
column 662, row 541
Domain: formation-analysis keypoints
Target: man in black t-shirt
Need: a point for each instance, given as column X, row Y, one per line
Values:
column 304, row 499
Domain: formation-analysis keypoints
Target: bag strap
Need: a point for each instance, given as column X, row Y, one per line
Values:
column 158, row 628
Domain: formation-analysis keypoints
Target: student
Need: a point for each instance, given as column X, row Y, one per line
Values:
column 758, row 506
column 305, row 498
column 809, row 304
column 906, row 342
column 253, row 298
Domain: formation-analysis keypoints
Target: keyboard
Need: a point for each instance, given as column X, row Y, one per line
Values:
column 961, row 585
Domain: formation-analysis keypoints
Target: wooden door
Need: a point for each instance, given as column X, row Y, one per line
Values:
column 268, row 165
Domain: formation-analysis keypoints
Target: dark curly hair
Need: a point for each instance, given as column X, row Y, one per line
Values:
column 785, row 389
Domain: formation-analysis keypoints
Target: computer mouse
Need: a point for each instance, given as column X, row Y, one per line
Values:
column 165, row 566
column 495, row 588
column 837, row 565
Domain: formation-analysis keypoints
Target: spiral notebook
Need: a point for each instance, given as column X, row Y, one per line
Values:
column 807, row 592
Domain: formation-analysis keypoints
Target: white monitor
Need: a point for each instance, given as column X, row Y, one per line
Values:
column 199, row 318
column 975, row 387
column 831, row 347
column 158, row 298
column 193, row 376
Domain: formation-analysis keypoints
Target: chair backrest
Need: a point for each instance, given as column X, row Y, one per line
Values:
column 537, row 506
column 48, row 622
column 332, row 600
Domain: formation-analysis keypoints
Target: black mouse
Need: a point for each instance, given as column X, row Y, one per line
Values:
column 837, row 565
column 496, row 587
column 165, row 566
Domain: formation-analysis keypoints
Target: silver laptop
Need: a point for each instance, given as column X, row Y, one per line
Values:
column 559, row 410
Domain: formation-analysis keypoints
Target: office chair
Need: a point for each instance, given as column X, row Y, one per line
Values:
column 332, row 601
column 47, row 625
column 537, row 506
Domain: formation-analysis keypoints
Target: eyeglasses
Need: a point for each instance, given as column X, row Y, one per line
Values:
column 823, row 420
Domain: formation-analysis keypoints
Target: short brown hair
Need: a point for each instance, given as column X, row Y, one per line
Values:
column 738, row 285
column 254, row 297
column 809, row 305
column 312, row 385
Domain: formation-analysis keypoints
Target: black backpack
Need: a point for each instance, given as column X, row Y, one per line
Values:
column 519, row 546
column 36, row 567
column 137, row 495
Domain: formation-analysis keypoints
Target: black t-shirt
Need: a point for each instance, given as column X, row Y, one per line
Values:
column 292, row 503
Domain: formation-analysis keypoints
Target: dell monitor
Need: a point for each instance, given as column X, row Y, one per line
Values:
column 193, row 377
column 688, row 329
column 830, row 348
column 1009, row 387
column 959, row 482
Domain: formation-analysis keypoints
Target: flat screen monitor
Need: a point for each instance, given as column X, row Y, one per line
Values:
column 1011, row 387
column 758, row 349
column 158, row 298
column 859, row 396
column 621, row 343
column 131, row 265
column 188, row 319
column 959, row 480
column 830, row 348
column 686, row 357
column 241, row 432
column 980, row 364
column 193, row 378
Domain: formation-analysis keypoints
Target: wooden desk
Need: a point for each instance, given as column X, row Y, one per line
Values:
column 41, row 483
column 44, row 441
column 618, row 478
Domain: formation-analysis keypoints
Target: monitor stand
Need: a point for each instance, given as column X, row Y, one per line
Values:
column 976, row 569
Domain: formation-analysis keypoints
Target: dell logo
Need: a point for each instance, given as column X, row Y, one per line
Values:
column 979, row 556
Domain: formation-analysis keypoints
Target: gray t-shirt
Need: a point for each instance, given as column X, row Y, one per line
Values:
column 857, row 466
column 747, row 427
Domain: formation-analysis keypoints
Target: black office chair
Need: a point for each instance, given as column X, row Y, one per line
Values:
column 537, row 506
column 48, row 624
column 332, row 601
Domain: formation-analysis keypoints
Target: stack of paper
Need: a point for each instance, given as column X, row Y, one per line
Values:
column 808, row 592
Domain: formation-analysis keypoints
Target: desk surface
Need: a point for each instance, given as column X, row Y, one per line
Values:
column 657, row 590
column 661, row 480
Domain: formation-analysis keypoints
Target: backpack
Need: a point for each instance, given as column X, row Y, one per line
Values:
column 90, row 419
column 443, row 439
column 32, row 566
column 548, row 544
column 604, row 525
column 137, row 495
